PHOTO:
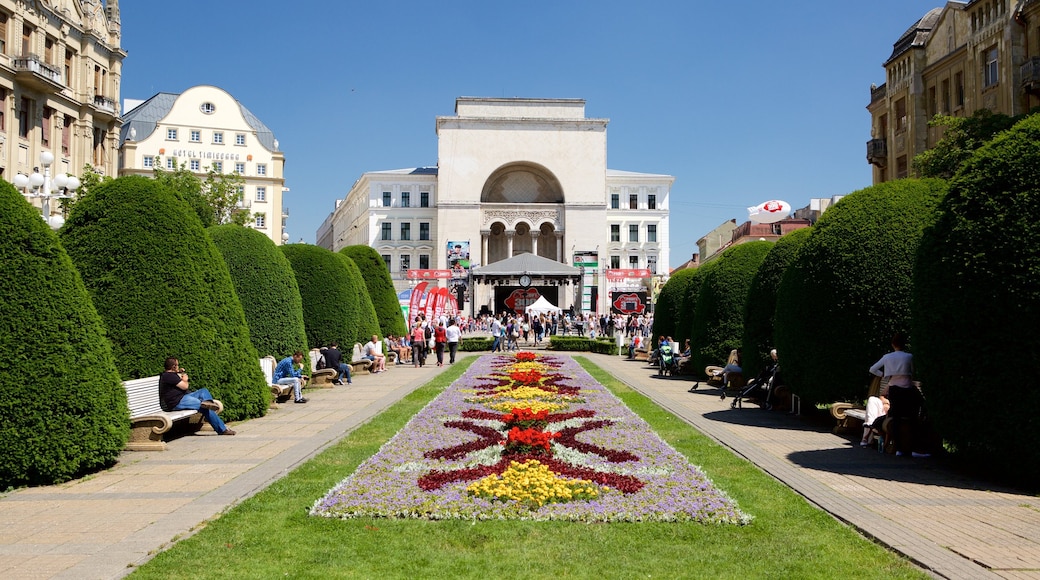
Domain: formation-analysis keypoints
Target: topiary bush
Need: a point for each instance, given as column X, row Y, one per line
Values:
column 62, row 408
column 327, row 292
column 669, row 302
column 163, row 289
column 476, row 343
column 848, row 289
column 266, row 287
column 976, row 304
column 684, row 322
column 380, row 289
column 760, row 306
column 718, row 321
column 362, row 316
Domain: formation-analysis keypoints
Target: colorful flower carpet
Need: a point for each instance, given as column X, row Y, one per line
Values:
column 528, row 437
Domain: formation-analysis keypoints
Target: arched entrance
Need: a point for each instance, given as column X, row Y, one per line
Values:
column 522, row 209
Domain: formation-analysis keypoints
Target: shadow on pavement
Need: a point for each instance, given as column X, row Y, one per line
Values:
column 753, row 416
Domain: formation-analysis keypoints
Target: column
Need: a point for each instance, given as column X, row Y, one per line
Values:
column 559, row 248
column 534, row 242
column 509, row 243
column 485, row 236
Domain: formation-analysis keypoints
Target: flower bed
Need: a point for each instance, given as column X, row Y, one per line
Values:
column 528, row 437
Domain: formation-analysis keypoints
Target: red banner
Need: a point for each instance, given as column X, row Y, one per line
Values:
column 442, row 298
column 413, row 304
column 623, row 274
column 428, row 274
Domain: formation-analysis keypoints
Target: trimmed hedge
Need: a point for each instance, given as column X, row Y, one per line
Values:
column 327, row 292
column 266, row 287
column 688, row 311
column 579, row 343
column 848, row 289
column 718, row 321
column 976, row 305
column 63, row 410
column 476, row 343
column 163, row 289
column 760, row 307
column 670, row 304
column 380, row 289
column 362, row 317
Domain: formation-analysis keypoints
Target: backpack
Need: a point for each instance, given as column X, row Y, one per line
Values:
column 321, row 364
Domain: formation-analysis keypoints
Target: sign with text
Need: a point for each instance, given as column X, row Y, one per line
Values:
column 628, row 273
column 428, row 274
column 633, row 303
column 516, row 300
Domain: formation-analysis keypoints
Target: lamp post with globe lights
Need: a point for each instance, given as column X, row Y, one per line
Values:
column 43, row 187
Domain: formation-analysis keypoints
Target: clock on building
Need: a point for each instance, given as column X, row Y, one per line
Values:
column 525, row 280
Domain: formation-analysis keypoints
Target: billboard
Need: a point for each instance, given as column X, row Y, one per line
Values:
column 515, row 299
column 458, row 258
column 634, row 303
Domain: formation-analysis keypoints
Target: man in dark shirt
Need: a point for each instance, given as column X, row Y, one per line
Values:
column 334, row 360
column 174, row 395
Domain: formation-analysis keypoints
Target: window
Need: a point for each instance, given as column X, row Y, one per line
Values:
column 48, row 50
column 406, row 262
column 385, row 235
column 240, row 138
column 207, row 108
column 406, row 199
column 386, row 199
column 3, row 33
column 241, row 191
column 261, row 220
column 24, row 115
column 148, row 161
column 633, row 201
column 195, row 165
column 171, row 134
column 100, row 137
column 901, row 167
column 958, row 87
column 46, row 125
column 989, row 70
column 406, row 231
column 27, row 39
column 170, row 163
column 651, row 201
column 424, row 230
column 195, row 136
column 615, row 232
column 424, row 199
column 69, row 57
column 932, row 103
column 66, row 132
column 218, row 166
column 633, row 233
column 261, row 169
column 633, row 261
column 901, row 115
column 651, row 264
column 261, row 193
column 615, row 262
column 240, row 168
column 946, row 97
column 651, row 233
column 386, row 260
column 424, row 261
column 615, row 201
column 218, row 139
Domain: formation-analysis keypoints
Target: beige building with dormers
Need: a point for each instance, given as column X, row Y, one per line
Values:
column 205, row 127
column 957, row 59
column 60, row 67
column 513, row 176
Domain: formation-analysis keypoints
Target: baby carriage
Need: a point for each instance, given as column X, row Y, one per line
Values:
column 668, row 364
column 760, row 388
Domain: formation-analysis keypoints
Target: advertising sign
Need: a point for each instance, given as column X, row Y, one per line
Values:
column 458, row 258
column 516, row 299
column 634, row 303
column 428, row 274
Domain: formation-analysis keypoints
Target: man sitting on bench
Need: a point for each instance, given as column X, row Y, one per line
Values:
column 174, row 395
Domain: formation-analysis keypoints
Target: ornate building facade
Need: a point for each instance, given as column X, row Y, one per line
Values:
column 60, row 71
column 514, row 176
column 206, row 128
column 957, row 59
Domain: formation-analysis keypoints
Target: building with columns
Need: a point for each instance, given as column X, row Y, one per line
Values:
column 206, row 128
column 60, row 69
column 514, row 176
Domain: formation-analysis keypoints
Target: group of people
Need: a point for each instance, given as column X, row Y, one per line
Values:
column 436, row 335
column 900, row 400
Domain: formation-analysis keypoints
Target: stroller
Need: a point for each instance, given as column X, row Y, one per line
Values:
column 761, row 388
column 668, row 365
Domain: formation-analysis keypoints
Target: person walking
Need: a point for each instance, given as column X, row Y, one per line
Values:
column 440, row 338
column 452, row 334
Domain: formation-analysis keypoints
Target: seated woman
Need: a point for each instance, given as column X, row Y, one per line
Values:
column 716, row 373
column 877, row 408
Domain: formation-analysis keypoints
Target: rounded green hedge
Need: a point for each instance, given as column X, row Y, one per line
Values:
column 362, row 317
column 62, row 408
column 977, row 303
column 266, row 287
column 327, row 292
column 848, row 289
column 380, row 289
column 688, row 310
column 163, row 289
column 760, row 308
column 718, row 321
column 669, row 303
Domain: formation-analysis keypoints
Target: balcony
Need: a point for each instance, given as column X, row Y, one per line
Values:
column 877, row 152
column 1030, row 73
column 104, row 105
column 877, row 93
column 32, row 71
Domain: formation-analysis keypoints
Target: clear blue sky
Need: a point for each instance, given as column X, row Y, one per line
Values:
column 741, row 101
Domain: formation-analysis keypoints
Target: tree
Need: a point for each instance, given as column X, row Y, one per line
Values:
column 215, row 200
column 670, row 303
column 976, row 304
column 327, row 292
column 718, row 322
column 361, row 317
column 63, row 411
column 961, row 137
column 163, row 289
column 688, row 309
column 848, row 290
column 760, row 309
column 266, row 287
column 380, row 288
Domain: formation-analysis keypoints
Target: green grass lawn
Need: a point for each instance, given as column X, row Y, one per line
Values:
column 270, row 535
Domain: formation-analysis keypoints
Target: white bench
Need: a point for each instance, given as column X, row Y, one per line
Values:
column 280, row 392
column 148, row 422
column 358, row 363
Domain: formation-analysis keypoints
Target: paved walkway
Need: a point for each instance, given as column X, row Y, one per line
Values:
column 103, row 525
column 953, row 526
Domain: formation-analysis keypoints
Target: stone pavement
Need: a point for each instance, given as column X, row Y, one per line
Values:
column 103, row 525
column 949, row 524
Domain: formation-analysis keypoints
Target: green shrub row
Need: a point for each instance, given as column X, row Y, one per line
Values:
column 583, row 344
column 380, row 289
column 476, row 343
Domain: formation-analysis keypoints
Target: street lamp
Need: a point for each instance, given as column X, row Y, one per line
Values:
column 42, row 186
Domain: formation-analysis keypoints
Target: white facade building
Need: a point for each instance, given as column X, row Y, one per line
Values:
column 205, row 127
column 513, row 176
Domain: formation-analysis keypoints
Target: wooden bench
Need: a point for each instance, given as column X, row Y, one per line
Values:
column 148, row 422
column 280, row 392
column 357, row 363
column 850, row 417
column 642, row 354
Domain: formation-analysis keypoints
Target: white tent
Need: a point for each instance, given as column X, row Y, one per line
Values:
column 541, row 306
